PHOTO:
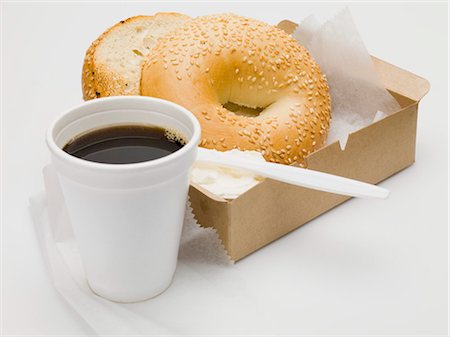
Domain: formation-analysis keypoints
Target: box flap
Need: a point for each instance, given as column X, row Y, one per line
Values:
column 401, row 81
column 288, row 26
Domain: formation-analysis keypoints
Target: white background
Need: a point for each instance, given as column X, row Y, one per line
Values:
column 366, row 267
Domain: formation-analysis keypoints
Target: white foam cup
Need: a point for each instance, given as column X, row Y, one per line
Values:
column 127, row 218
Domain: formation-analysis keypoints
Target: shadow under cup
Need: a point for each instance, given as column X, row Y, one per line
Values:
column 127, row 218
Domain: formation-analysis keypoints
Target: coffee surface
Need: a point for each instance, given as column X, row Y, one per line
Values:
column 124, row 144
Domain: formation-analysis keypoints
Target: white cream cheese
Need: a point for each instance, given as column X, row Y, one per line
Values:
column 226, row 182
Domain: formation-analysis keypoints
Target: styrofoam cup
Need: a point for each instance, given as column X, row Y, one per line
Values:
column 127, row 218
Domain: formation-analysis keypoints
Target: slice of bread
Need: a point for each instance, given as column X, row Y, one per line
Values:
column 112, row 66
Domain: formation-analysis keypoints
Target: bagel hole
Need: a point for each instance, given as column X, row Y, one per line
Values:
column 242, row 110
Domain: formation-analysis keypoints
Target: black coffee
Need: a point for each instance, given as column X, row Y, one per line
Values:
column 124, row 144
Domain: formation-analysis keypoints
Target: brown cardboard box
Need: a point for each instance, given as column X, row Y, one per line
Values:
column 272, row 209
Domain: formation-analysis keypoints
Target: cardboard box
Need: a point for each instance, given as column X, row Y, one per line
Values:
column 272, row 209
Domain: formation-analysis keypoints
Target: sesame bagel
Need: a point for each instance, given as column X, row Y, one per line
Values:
column 251, row 86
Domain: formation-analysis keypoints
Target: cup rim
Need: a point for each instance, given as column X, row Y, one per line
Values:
column 65, row 157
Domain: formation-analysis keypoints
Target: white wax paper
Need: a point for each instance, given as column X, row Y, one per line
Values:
column 356, row 91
